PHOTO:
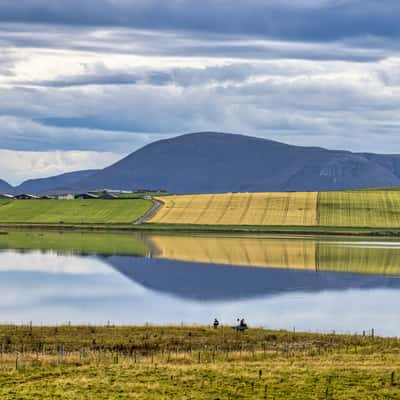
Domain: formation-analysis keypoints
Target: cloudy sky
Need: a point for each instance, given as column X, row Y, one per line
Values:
column 84, row 82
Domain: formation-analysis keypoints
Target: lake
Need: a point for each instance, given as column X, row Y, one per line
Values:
column 304, row 283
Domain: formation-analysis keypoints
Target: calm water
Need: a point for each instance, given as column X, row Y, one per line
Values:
column 318, row 284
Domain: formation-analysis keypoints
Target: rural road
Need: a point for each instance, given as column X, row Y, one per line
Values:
column 149, row 214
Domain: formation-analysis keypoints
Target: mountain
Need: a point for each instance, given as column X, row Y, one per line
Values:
column 5, row 187
column 211, row 162
column 57, row 183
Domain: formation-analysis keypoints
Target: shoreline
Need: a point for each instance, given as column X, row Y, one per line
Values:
column 208, row 229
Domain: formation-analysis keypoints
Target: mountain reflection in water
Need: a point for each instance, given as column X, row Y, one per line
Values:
column 210, row 282
column 311, row 283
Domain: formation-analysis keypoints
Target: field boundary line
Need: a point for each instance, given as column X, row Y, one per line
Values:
column 246, row 208
column 224, row 211
column 206, row 207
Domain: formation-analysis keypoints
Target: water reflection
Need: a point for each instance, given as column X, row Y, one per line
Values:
column 210, row 282
column 306, row 253
column 311, row 283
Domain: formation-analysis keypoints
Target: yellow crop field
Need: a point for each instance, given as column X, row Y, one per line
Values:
column 251, row 251
column 289, row 208
column 370, row 208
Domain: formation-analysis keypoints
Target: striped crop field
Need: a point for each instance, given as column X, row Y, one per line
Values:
column 290, row 208
column 369, row 208
column 360, row 208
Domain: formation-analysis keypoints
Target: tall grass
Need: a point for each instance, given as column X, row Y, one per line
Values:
column 194, row 362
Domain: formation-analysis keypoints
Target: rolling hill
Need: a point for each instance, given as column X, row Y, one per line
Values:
column 210, row 162
column 217, row 162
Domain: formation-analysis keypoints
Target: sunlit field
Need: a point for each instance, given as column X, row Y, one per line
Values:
column 240, row 209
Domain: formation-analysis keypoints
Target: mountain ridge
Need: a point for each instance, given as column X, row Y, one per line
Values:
column 56, row 183
column 214, row 162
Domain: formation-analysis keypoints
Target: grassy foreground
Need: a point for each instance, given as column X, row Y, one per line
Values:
column 194, row 363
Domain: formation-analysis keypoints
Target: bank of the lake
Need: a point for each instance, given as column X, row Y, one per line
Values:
column 357, row 213
column 187, row 228
column 106, row 362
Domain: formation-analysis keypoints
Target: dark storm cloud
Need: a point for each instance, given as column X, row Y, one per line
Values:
column 305, row 20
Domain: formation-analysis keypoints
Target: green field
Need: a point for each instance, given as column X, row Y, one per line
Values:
column 73, row 211
column 373, row 208
column 153, row 363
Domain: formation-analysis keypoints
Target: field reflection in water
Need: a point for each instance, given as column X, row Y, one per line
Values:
column 325, row 284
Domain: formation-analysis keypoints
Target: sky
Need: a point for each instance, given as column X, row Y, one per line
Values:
column 85, row 82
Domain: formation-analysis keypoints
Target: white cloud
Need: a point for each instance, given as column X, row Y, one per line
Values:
column 69, row 91
column 16, row 166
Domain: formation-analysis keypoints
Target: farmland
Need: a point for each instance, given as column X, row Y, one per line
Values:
column 342, row 209
column 373, row 208
column 358, row 212
column 68, row 362
column 72, row 211
column 240, row 209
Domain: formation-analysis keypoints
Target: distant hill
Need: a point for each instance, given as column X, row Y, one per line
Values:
column 210, row 162
column 57, row 183
column 5, row 187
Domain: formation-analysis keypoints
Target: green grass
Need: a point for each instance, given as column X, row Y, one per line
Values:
column 82, row 242
column 194, row 362
column 375, row 208
column 73, row 211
